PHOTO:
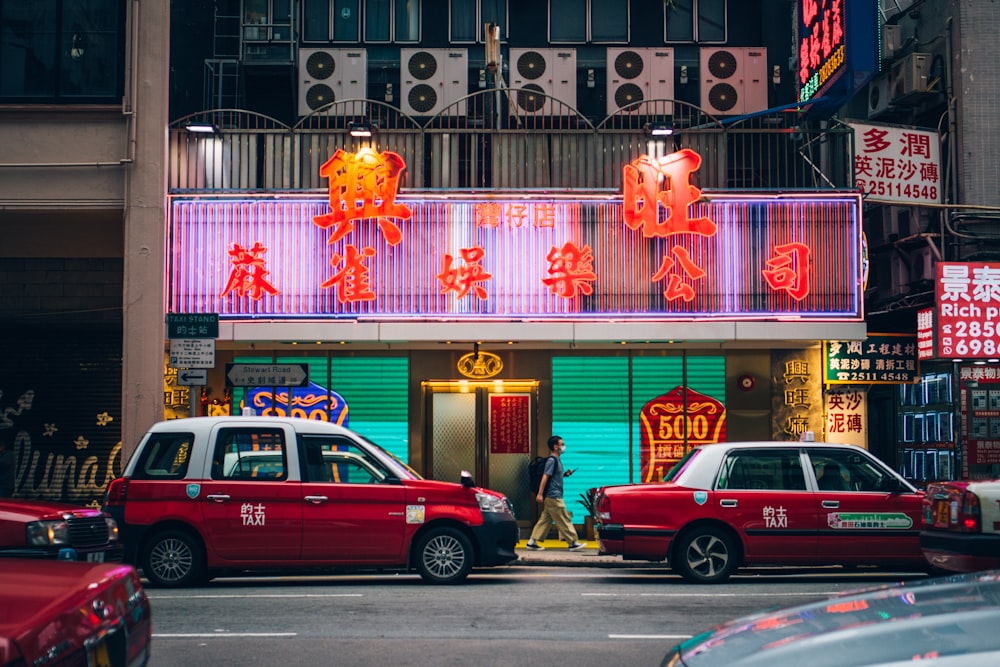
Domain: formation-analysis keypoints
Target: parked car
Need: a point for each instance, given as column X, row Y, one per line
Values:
column 727, row 505
column 41, row 529
column 63, row 613
column 205, row 495
column 942, row 622
column 962, row 525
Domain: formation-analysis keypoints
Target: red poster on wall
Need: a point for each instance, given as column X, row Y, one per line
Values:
column 510, row 424
column 672, row 424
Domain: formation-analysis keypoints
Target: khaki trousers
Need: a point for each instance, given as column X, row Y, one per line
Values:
column 554, row 511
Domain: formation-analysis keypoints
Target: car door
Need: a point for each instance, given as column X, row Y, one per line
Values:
column 862, row 515
column 354, row 511
column 251, row 510
column 762, row 494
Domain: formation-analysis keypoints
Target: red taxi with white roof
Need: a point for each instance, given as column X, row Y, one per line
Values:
column 209, row 494
column 962, row 525
column 728, row 505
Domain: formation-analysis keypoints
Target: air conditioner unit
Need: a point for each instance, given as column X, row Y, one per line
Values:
column 910, row 76
column 332, row 75
column 635, row 75
column 878, row 95
column 545, row 78
column 891, row 40
column 431, row 79
column 733, row 80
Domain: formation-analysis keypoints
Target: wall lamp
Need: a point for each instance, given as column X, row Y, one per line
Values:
column 659, row 129
column 201, row 128
column 362, row 129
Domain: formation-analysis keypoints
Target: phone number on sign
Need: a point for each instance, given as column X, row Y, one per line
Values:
column 890, row 189
column 969, row 338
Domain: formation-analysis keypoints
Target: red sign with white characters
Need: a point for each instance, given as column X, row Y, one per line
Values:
column 968, row 308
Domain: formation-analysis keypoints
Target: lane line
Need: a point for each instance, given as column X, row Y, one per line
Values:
column 817, row 594
column 234, row 596
column 650, row 636
column 213, row 635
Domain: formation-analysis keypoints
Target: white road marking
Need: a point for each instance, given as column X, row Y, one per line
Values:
column 649, row 636
column 204, row 635
column 233, row 596
column 814, row 594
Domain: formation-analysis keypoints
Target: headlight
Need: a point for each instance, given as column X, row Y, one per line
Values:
column 45, row 533
column 491, row 503
column 112, row 529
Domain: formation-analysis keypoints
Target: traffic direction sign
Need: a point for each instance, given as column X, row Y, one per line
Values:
column 267, row 375
column 192, row 376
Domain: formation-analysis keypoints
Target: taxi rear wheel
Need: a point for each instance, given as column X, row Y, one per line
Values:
column 444, row 556
column 173, row 559
column 706, row 556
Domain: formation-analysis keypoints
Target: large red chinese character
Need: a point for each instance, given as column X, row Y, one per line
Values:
column 352, row 280
column 248, row 277
column 363, row 185
column 571, row 268
column 676, row 289
column 463, row 279
column 789, row 271
column 642, row 195
column 488, row 214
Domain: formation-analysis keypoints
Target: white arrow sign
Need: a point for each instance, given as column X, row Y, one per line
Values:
column 192, row 376
column 267, row 375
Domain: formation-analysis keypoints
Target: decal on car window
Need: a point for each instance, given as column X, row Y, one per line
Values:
column 253, row 515
column 868, row 520
column 414, row 514
column 775, row 517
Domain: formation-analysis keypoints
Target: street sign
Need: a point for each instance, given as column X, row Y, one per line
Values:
column 192, row 325
column 192, row 376
column 192, row 353
column 267, row 375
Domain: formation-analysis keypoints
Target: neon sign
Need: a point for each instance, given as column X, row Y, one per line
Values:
column 822, row 48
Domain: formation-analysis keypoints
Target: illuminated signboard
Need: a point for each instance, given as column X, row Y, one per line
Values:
column 967, row 297
column 895, row 165
column 879, row 359
column 822, row 44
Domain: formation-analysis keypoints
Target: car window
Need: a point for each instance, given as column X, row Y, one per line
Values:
column 165, row 456
column 846, row 470
column 338, row 460
column 762, row 469
column 250, row 454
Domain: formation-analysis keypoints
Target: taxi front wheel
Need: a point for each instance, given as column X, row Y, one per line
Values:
column 444, row 556
column 173, row 559
column 705, row 556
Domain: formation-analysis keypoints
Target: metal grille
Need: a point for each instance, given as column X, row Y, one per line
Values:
column 87, row 531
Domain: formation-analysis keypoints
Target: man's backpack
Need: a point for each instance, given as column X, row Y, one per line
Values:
column 536, row 469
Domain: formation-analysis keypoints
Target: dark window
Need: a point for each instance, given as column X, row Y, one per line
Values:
column 764, row 470
column 331, row 20
column 250, row 454
column 337, row 460
column 165, row 456
column 695, row 21
column 67, row 51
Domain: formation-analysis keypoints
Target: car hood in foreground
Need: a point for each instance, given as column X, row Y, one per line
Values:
column 927, row 619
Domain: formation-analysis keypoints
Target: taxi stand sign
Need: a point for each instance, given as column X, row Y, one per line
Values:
column 192, row 353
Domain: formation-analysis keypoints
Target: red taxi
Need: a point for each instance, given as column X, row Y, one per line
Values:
column 727, row 505
column 42, row 529
column 962, row 525
column 205, row 495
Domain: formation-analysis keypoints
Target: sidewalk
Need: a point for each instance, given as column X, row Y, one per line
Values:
column 556, row 553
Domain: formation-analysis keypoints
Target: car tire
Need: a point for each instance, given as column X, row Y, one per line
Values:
column 173, row 559
column 705, row 556
column 444, row 556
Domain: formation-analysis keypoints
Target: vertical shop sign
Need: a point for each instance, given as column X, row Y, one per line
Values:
column 926, row 334
column 509, row 424
column 846, row 416
column 797, row 399
column 672, row 424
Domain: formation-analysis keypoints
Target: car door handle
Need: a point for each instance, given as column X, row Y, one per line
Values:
column 316, row 500
column 831, row 504
column 727, row 503
column 218, row 497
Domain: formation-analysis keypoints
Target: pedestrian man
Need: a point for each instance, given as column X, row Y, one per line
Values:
column 550, row 494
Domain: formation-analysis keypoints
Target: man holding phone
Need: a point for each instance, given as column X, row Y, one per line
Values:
column 550, row 494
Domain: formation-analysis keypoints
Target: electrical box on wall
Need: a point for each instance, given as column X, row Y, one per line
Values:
column 331, row 75
column 545, row 77
column 637, row 75
column 733, row 80
column 431, row 80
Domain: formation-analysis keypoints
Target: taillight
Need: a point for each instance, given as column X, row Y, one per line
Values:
column 602, row 509
column 117, row 490
column 970, row 519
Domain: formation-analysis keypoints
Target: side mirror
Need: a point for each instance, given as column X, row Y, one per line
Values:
column 467, row 480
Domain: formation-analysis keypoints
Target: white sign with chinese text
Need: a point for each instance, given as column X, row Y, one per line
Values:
column 968, row 309
column 847, row 415
column 896, row 165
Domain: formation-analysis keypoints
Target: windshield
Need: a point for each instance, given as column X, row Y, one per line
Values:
column 401, row 469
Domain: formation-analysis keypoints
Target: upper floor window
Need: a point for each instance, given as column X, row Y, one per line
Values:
column 392, row 20
column 267, row 20
column 467, row 18
column 700, row 21
column 61, row 51
column 588, row 21
column 331, row 21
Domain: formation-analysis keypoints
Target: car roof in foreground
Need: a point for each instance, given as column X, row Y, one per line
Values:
column 898, row 623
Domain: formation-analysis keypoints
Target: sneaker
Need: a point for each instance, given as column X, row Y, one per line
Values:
column 535, row 545
column 577, row 546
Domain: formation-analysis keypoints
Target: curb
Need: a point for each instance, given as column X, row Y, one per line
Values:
column 555, row 553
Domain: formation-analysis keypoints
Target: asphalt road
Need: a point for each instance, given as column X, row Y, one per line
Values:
column 519, row 615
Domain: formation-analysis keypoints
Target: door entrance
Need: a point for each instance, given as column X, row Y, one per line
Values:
column 486, row 428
